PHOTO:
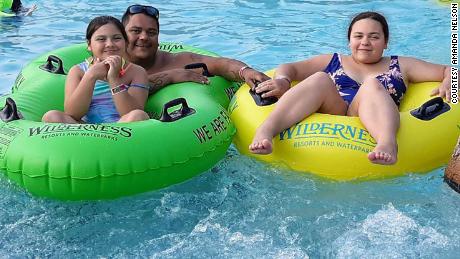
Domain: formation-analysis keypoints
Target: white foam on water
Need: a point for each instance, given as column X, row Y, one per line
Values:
column 223, row 241
column 389, row 233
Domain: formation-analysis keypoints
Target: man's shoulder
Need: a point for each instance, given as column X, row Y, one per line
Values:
column 183, row 55
column 182, row 58
column 136, row 67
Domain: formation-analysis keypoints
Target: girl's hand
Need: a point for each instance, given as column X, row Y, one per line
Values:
column 273, row 87
column 443, row 90
column 98, row 70
column 114, row 63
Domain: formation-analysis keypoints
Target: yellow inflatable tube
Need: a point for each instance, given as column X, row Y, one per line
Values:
column 336, row 147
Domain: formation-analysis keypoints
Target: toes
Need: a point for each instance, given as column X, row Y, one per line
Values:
column 255, row 146
column 388, row 158
column 265, row 143
column 380, row 157
column 372, row 156
column 261, row 147
column 384, row 156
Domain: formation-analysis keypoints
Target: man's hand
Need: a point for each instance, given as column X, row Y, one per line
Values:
column 180, row 75
column 251, row 76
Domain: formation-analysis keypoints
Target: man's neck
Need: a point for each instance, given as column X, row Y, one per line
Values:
column 147, row 63
column 150, row 64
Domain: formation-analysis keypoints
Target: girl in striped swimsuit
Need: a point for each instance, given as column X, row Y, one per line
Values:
column 104, row 88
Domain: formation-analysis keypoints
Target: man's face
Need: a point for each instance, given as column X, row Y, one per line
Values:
column 142, row 33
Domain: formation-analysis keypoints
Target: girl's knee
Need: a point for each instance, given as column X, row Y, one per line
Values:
column 322, row 76
column 372, row 84
column 52, row 116
column 141, row 115
column 319, row 80
column 136, row 115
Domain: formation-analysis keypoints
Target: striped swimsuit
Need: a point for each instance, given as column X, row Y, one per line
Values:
column 102, row 108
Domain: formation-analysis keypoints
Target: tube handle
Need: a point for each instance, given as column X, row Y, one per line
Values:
column 199, row 65
column 49, row 66
column 184, row 111
column 431, row 109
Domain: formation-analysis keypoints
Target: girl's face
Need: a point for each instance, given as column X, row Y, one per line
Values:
column 107, row 41
column 367, row 41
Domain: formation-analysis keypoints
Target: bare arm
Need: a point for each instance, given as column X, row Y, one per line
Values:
column 78, row 92
column 232, row 69
column 159, row 80
column 421, row 71
column 300, row 70
column 296, row 71
column 173, row 71
column 225, row 67
column 221, row 66
column 133, row 98
column 177, row 75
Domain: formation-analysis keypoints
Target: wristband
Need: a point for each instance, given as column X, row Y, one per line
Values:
column 118, row 89
column 285, row 78
column 240, row 72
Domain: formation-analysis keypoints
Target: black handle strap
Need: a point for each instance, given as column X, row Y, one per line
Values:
column 431, row 109
column 10, row 111
column 184, row 111
column 199, row 65
column 49, row 65
column 432, row 106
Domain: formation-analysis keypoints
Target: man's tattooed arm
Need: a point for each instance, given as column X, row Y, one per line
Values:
column 158, row 81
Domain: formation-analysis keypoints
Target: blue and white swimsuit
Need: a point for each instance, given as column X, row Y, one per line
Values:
column 102, row 108
column 392, row 80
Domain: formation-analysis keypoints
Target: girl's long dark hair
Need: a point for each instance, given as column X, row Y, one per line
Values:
column 100, row 21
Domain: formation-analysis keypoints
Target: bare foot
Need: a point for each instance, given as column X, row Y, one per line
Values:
column 383, row 154
column 262, row 142
column 261, row 147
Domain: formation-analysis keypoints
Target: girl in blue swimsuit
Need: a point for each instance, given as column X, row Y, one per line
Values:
column 104, row 88
column 364, row 84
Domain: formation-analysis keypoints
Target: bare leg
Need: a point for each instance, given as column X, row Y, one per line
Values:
column 56, row 116
column 379, row 114
column 315, row 93
column 134, row 115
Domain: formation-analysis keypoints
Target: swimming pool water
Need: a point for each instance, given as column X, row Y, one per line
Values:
column 241, row 207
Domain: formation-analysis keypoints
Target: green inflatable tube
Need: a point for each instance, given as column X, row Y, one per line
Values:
column 5, row 5
column 189, row 132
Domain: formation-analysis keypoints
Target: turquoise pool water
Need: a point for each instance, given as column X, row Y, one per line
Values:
column 241, row 208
